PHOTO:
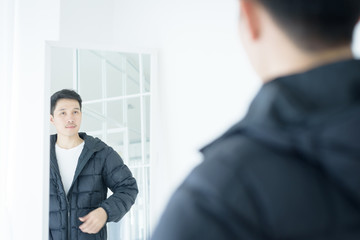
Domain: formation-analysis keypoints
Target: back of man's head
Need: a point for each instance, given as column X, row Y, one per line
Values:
column 315, row 24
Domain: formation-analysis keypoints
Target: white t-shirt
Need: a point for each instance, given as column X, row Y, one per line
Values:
column 67, row 161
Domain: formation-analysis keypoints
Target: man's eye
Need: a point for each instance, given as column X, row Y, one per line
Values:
column 62, row 113
column 76, row 112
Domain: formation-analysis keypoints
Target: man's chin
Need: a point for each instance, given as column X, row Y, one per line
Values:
column 70, row 133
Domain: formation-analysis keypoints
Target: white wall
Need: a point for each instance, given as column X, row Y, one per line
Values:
column 356, row 41
column 25, row 26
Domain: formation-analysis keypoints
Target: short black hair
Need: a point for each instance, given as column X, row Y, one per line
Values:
column 315, row 24
column 63, row 94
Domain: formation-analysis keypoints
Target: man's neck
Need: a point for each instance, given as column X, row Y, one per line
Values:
column 68, row 142
column 296, row 61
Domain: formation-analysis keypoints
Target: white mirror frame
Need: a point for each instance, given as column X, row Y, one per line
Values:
column 154, row 116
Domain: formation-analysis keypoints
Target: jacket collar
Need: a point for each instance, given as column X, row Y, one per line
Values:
column 91, row 146
column 315, row 116
column 300, row 100
column 308, row 96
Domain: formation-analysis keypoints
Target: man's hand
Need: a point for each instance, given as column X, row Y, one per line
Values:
column 93, row 221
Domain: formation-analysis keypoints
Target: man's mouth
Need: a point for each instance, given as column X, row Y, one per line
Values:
column 70, row 126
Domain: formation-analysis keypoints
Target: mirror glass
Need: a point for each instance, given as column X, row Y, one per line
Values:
column 116, row 91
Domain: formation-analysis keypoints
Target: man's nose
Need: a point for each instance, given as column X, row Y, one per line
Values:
column 70, row 120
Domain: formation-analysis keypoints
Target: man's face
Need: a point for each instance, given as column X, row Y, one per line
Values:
column 67, row 117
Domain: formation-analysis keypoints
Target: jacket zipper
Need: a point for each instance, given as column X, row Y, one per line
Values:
column 67, row 206
column 68, row 217
column 68, row 211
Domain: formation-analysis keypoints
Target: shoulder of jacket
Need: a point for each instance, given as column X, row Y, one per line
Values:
column 239, row 148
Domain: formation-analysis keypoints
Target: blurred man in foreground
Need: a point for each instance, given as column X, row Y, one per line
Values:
column 291, row 168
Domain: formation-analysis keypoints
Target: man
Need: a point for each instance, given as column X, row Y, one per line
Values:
column 291, row 168
column 82, row 168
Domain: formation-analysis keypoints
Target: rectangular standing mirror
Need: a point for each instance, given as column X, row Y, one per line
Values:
column 115, row 87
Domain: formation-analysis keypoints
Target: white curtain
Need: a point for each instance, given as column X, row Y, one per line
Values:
column 25, row 26
column 7, row 19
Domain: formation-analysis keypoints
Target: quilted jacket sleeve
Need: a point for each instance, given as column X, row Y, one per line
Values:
column 120, row 181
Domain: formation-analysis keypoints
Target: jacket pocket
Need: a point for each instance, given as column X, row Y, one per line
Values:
column 100, row 234
column 98, row 237
column 50, row 235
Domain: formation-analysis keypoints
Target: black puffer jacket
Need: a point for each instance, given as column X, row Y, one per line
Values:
column 289, row 170
column 99, row 168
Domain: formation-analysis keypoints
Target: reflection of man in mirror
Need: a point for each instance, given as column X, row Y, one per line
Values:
column 291, row 168
column 82, row 168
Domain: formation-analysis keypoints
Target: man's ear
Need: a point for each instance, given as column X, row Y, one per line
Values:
column 249, row 12
column 52, row 119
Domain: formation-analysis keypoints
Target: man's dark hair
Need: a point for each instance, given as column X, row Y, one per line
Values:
column 64, row 94
column 315, row 24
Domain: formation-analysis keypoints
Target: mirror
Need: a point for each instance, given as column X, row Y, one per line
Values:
column 115, row 88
